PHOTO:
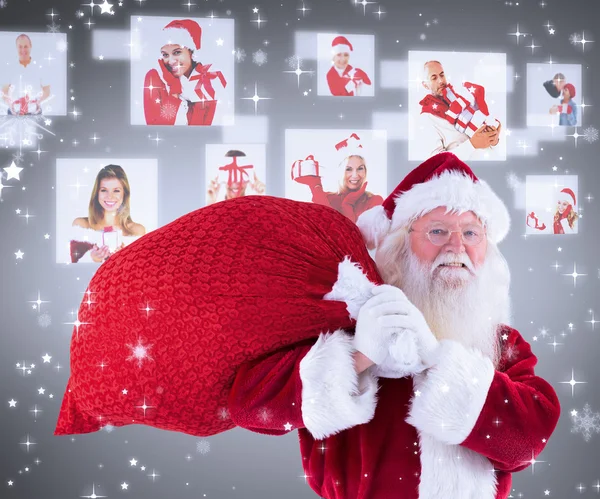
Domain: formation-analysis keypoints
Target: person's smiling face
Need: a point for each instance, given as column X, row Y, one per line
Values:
column 110, row 194
column 177, row 58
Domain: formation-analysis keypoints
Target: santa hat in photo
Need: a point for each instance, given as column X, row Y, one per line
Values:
column 351, row 146
column 567, row 195
column 442, row 180
column 184, row 32
column 341, row 45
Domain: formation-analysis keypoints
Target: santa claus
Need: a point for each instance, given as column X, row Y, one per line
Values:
column 451, row 122
column 343, row 79
column 434, row 395
column 181, row 90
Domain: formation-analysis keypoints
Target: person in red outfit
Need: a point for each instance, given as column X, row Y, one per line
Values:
column 352, row 198
column 434, row 395
column 343, row 79
column 182, row 90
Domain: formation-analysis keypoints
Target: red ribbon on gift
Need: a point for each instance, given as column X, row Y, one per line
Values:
column 537, row 225
column 204, row 78
column 24, row 103
column 298, row 164
column 236, row 172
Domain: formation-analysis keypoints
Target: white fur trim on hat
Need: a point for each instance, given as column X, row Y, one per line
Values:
column 566, row 197
column 341, row 48
column 181, row 37
column 374, row 225
column 457, row 192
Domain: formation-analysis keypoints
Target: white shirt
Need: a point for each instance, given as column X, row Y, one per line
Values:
column 24, row 80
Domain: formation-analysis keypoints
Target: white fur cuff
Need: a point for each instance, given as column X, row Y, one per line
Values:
column 450, row 395
column 334, row 397
column 352, row 287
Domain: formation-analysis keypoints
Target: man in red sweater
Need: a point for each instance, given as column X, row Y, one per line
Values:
column 434, row 396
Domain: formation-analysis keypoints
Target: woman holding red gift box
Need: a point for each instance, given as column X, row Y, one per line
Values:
column 108, row 226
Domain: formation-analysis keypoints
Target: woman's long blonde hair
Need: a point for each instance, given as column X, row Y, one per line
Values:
column 571, row 217
column 96, row 212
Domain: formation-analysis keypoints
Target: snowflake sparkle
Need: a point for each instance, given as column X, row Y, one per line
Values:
column 168, row 111
column 586, row 423
column 575, row 38
column 590, row 134
column 139, row 352
column 240, row 55
column 259, row 57
column 44, row 320
column 203, row 447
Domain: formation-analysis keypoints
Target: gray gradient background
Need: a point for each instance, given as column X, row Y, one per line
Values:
column 241, row 464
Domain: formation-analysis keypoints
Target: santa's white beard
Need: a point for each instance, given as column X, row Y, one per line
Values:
column 456, row 304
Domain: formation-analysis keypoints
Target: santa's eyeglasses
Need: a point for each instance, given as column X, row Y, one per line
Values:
column 439, row 235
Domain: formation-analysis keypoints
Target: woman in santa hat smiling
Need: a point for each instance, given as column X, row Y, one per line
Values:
column 343, row 79
column 182, row 90
column 352, row 198
column 565, row 217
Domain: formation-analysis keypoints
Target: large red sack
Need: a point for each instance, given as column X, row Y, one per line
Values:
column 167, row 320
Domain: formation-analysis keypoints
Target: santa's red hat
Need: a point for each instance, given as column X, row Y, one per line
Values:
column 567, row 195
column 184, row 32
column 341, row 45
column 442, row 180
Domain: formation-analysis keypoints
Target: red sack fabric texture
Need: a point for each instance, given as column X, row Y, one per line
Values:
column 173, row 315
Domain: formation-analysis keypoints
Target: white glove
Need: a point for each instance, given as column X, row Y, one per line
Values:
column 379, row 320
column 403, row 358
column 188, row 90
column 426, row 342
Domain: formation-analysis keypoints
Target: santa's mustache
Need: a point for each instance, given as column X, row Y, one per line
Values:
column 452, row 258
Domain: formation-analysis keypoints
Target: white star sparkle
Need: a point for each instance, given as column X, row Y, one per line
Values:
column 144, row 407
column 256, row 98
column 573, row 382
column 574, row 274
column 299, row 71
column 93, row 495
column 518, row 34
column 38, row 302
column 106, row 8
column 13, row 171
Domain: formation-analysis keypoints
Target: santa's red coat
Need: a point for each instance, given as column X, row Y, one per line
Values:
column 343, row 85
column 457, row 431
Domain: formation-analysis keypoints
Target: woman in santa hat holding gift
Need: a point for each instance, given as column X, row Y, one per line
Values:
column 567, row 109
column 352, row 197
column 108, row 226
column 565, row 218
column 182, row 91
column 343, row 79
